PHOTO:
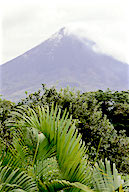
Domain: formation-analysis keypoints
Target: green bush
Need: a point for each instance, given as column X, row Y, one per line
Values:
column 95, row 114
column 5, row 108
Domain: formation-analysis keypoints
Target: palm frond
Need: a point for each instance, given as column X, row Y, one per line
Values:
column 11, row 179
column 59, row 131
column 58, row 185
column 106, row 177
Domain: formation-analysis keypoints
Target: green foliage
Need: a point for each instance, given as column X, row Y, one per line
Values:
column 16, row 180
column 57, row 161
column 116, row 106
column 102, row 118
column 98, row 116
column 57, row 131
column 106, row 178
column 5, row 108
column 55, row 136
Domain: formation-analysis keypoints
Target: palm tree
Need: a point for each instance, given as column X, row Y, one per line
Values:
column 49, row 150
column 58, row 137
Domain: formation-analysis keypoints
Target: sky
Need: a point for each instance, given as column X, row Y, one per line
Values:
column 26, row 23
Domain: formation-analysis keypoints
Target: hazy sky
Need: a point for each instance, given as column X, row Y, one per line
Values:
column 26, row 23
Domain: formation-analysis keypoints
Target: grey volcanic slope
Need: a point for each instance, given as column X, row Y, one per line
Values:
column 67, row 59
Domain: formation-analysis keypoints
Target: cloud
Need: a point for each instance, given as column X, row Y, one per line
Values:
column 28, row 23
column 108, row 41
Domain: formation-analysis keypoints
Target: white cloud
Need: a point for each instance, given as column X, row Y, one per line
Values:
column 28, row 23
column 108, row 41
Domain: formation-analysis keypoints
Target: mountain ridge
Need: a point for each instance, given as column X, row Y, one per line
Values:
column 65, row 58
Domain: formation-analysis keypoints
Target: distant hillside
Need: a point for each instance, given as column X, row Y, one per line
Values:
column 67, row 59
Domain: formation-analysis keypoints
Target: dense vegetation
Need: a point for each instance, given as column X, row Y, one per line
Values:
column 65, row 140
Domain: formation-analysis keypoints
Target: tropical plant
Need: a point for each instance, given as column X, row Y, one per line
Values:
column 57, row 162
column 107, row 179
column 16, row 180
column 58, row 137
column 100, row 115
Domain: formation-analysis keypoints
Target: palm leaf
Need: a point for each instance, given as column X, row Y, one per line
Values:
column 59, row 131
column 11, row 179
column 106, row 177
column 58, row 185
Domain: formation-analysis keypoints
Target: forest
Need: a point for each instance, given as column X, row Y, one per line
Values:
column 65, row 140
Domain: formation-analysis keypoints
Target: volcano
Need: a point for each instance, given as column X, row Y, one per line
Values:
column 63, row 60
